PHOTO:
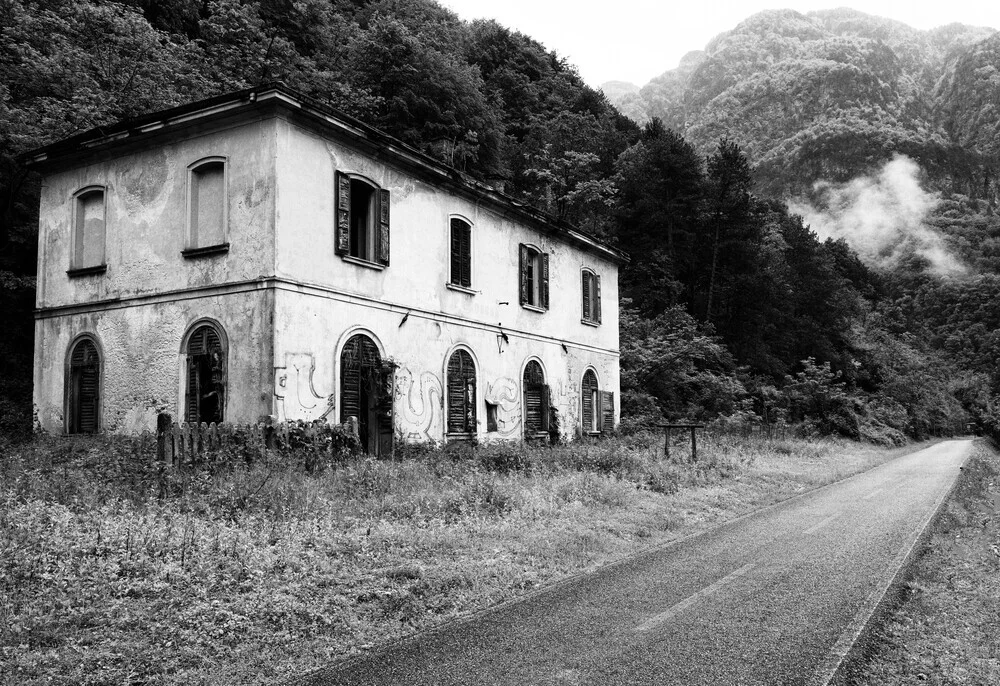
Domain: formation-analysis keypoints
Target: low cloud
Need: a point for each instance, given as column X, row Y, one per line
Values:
column 882, row 217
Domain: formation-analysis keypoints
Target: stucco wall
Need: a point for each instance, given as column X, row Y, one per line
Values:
column 312, row 327
column 143, row 369
column 418, row 270
column 146, row 218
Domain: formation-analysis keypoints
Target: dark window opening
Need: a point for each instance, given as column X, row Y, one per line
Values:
column 534, row 277
column 362, row 222
column 461, row 393
column 536, row 400
column 84, row 389
column 491, row 416
column 366, row 393
column 591, row 297
column 591, row 398
column 206, row 376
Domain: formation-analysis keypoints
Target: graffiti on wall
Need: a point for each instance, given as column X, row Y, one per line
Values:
column 418, row 406
column 294, row 391
column 503, row 393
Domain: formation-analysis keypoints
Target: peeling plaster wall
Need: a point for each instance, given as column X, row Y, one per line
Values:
column 312, row 326
column 146, row 218
column 419, row 244
column 143, row 370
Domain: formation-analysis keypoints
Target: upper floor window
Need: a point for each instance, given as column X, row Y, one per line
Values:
column 591, row 297
column 88, row 230
column 207, row 206
column 362, row 220
column 461, row 253
column 534, row 277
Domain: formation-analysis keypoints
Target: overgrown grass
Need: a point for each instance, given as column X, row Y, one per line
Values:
column 115, row 571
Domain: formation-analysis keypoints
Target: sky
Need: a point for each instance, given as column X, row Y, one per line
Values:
column 637, row 40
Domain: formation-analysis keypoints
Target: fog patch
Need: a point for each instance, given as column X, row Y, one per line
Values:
column 883, row 217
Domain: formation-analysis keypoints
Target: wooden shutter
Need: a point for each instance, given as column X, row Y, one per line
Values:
column 535, row 401
column 586, row 295
column 587, row 393
column 543, row 287
column 350, row 389
column 524, row 270
column 466, row 255
column 461, row 393
column 456, row 253
column 607, row 411
column 546, row 403
column 384, row 405
column 85, row 379
column 342, row 237
column 193, row 389
column 597, row 297
column 382, row 237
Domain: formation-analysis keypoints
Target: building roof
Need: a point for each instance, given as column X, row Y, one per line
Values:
column 142, row 131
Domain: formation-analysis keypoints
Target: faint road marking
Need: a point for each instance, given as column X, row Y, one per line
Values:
column 656, row 620
column 813, row 529
column 872, row 494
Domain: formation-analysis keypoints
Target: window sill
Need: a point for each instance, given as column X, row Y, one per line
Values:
column 533, row 308
column 590, row 322
column 86, row 271
column 206, row 251
column 460, row 437
column 460, row 289
column 363, row 263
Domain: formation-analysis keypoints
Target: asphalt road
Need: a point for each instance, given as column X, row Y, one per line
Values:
column 773, row 598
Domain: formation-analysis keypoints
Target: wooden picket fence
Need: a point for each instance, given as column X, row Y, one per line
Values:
column 189, row 444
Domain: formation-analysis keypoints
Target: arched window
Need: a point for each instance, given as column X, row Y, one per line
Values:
column 591, row 396
column 83, row 389
column 366, row 393
column 206, row 376
column 461, row 393
column 536, row 400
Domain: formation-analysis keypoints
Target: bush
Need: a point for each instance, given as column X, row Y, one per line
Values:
column 504, row 457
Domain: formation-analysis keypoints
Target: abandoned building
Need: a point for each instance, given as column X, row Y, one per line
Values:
column 259, row 254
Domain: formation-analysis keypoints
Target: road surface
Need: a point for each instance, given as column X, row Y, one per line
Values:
column 773, row 598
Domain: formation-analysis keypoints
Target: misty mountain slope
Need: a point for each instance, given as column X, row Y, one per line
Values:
column 834, row 94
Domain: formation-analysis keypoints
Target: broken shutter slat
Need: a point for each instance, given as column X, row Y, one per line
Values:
column 342, row 238
column 597, row 297
column 524, row 268
column 383, row 227
column 543, row 288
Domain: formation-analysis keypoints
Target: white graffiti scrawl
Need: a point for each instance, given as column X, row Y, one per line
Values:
column 418, row 404
column 293, row 388
column 503, row 394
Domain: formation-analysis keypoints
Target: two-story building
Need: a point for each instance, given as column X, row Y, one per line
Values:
column 259, row 254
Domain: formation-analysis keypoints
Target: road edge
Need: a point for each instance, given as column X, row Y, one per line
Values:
column 849, row 647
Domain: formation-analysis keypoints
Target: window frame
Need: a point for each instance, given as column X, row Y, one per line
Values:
column 193, row 246
column 185, row 365
column 467, row 259
column 545, row 400
column 377, row 226
column 77, row 243
column 590, row 297
column 533, row 278
column 68, row 409
column 473, row 403
column 596, row 409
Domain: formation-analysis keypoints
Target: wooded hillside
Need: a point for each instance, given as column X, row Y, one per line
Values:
column 733, row 307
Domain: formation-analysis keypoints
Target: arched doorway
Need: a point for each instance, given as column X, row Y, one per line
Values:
column 536, row 400
column 205, row 395
column 366, row 385
column 83, row 389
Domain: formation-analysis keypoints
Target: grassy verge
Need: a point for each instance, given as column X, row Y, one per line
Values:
column 945, row 631
column 115, row 572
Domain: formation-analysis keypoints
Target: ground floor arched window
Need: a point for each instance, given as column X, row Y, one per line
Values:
column 205, row 388
column 83, row 389
column 536, row 400
column 366, row 388
column 591, row 398
column 461, row 393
